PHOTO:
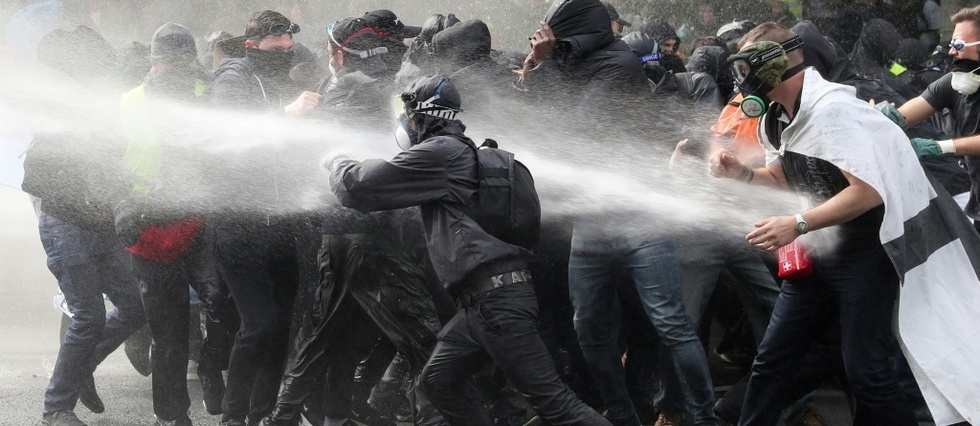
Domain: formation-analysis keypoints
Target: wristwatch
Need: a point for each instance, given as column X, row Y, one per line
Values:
column 801, row 226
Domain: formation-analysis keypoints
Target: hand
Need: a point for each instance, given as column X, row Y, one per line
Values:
column 332, row 162
column 542, row 48
column 888, row 110
column 772, row 233
column 678, row 153
column 304, row 104
column 927, row 148
column 724, row 164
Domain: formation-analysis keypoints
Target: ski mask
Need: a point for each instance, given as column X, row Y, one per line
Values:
column 965, row 78
column 758, row 68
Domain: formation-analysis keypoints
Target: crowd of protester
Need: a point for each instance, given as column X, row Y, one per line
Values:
column 392, row 305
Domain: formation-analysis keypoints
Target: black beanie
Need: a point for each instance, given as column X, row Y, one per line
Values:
column 172, row 43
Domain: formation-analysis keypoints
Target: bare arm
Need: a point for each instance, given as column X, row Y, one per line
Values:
column 723, row 164
column 775, row 232
column 916, row 110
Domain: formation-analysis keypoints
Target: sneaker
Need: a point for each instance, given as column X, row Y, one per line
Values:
column 89, row 397
column 61, row 418
column 670, row 418
column 186, row 421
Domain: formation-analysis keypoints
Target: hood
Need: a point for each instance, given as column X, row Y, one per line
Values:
column 821, row 53
column 581, row 27
column 462, row 44
column 912, row 54
column 658, row 29
column 875, row 47
column 431, row 126
column 710, row 60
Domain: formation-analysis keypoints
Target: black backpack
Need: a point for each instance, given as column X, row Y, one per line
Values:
column 507, row 205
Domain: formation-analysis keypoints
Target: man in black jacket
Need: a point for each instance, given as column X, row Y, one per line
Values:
column 256, row 242
column 497, row 323
column 575, row 59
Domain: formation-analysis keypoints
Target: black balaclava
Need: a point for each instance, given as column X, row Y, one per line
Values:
column 270, row 63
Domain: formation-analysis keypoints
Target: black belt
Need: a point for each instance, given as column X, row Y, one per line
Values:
column 466, row 295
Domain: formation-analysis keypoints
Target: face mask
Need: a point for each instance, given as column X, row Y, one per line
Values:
column 965, row 78
column 177, row 82
column 404, row 136
column 270, row 62
column 966, row 83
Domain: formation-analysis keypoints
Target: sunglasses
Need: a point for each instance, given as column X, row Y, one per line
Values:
column 960, row 45
column 280, row 29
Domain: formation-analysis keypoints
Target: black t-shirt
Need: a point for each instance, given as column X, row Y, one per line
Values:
column 966, row 122
column 819, row 180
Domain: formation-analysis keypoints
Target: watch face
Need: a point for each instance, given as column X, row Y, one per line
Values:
column 802, row 227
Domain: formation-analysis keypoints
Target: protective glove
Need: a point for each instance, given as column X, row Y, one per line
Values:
column 888, row 110
column 926, row 148
column 333, row 162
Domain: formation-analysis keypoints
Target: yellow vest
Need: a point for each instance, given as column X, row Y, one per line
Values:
column 144, row 155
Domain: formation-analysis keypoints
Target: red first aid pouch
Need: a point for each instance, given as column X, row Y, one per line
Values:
column 794, row 263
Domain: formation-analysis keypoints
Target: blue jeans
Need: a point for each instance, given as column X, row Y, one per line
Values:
column 704, row 257
column 859, row 288
column 88, row 264
column 651, row 261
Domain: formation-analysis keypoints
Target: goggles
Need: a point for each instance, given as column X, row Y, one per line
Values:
column 363, row 54
column 959, row 45
column 412, row 105
column 280, row 29
column 743, row 64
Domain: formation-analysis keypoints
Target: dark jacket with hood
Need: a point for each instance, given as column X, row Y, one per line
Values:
column 263, row 189
column 589, row 62
column 240, row 84
column 463, row 53
column 440, row 175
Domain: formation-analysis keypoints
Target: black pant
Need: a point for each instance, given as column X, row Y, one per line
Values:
column 166, row 299
column 258, row 262
column 499, row 326
column 368, row 286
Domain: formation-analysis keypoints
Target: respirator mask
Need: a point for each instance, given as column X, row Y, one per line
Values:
column 758, row 68
column 965, row 78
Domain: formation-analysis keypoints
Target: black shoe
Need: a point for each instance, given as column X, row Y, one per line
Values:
column 137, row 348
column 212, row 387
column 233, row 422
column 61, row 418
column 186, row 421
column 89, row 397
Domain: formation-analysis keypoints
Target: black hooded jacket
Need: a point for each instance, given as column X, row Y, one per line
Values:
column 589, row 62
column 440, row 175
column 875, row 48
column 463, row 53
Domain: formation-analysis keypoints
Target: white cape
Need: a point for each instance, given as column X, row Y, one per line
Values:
column 929, row 240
